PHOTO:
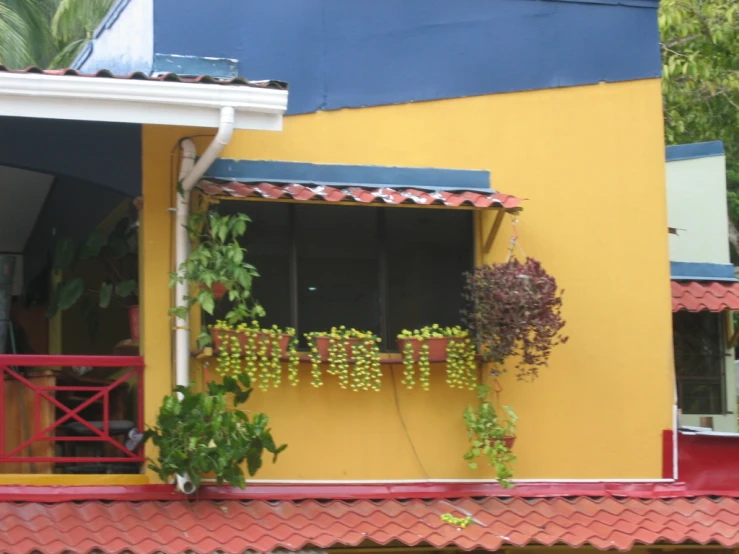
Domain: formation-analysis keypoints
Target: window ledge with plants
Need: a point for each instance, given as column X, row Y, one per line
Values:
column 513, row 312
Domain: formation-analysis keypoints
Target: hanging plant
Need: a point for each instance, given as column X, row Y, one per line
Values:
column 198, row 433
column 491, row 436
column 452, row 345
column 353, row 356
column 256, row 351
column 514, row 310
column 216, row 267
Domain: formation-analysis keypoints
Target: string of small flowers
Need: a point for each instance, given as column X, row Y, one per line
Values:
column 256, row 352
column 460, row 356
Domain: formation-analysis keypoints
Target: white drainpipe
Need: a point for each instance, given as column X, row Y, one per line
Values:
column 190, row 173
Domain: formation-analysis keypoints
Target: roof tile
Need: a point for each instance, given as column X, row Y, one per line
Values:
column 713, row 296
column 235, row 527
column 364, row 195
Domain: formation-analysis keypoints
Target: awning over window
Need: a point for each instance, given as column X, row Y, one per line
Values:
column 236, row 527
column 712, row 296
column 355, row 184
column 453, row 198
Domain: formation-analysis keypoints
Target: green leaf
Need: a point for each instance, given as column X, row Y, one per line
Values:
column 127, row 288
column 207, row 301
column 106, row 294
column 115, row 249
column 92, row 247
column 69, row 293
column 63, row 254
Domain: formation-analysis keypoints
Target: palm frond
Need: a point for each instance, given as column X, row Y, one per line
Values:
column 66, row 56
column 14, row 44
column 36, row 15
column 77, row 19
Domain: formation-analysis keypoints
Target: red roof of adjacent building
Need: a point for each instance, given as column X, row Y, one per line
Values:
column 260, row 526
column 713, row 296
column 364, row 195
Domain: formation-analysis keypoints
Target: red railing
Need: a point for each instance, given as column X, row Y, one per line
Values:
column 68, row 423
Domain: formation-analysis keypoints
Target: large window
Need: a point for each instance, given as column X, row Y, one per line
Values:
column 699, row 361
column 378, row 269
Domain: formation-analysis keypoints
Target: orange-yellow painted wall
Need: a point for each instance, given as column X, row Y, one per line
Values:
column 590, row 161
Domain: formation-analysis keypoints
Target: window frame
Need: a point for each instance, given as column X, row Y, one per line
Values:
column 387, row 343
column 722, row 408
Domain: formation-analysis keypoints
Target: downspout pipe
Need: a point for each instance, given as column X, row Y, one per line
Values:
column 191, row 170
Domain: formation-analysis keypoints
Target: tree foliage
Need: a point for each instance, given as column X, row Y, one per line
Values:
column 700, row 55
column 47, row 33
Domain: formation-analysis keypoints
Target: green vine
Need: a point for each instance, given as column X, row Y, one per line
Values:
column 256, row 352
column 486, row 433
column 460, row 522
column 353, row 357
column 461, row 365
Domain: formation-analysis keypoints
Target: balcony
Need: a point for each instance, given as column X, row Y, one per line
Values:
column 71, row 414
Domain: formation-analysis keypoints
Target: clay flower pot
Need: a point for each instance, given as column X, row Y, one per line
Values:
column 133, row 322
column 324, row 344
column 437, row 347
column 219, row 290
column 222, row 335
column 508, row 441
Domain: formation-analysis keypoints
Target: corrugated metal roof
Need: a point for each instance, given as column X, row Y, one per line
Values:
column 364, row 195
column 712, row 296
column 236, row 527
column 140, row 76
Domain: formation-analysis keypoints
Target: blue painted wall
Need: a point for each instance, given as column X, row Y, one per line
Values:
column 694, row 150
column 108, row 154
column 702, row 271
column 336, row 175
column 339, row 53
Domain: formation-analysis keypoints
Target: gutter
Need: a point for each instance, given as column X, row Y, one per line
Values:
column 124, row 100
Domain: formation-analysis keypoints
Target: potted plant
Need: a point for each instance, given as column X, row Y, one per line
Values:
column 491, row 436
column 514, row 309
column 117, row 254
column 216, row 266
column 199, row 433
column 452, row 345
column 352, row 355
column 256, row 351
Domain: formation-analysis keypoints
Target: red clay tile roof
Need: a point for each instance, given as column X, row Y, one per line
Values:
column 260, row 526
column 171, row 77
column 323, row 193
column 695, row 296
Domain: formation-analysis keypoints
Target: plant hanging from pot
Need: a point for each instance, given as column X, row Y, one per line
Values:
column 491, row 437
column 353, row 356
column 216, row 262
column 514, row 310
column 199, row 433
column 248, row 348
column 434, row 343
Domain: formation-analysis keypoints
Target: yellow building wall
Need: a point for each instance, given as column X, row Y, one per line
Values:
column 590, row 161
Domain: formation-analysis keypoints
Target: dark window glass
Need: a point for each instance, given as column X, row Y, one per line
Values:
column 699, row 361
column 267, row 243
column 338, row 269
column 428, row 252
column 376, row 269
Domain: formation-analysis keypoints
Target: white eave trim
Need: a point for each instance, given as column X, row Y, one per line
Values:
column 137, row 101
